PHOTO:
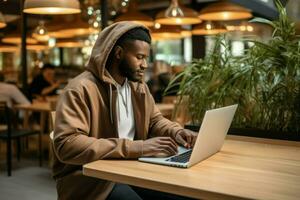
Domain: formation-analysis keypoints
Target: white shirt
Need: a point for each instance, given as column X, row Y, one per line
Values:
column 126, row 124
column 12, row 95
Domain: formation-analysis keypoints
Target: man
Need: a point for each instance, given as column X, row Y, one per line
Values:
column 107, row 112
column 44, row 84
column 11, row 93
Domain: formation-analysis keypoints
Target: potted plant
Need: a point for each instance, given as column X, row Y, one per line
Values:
column 265, row 82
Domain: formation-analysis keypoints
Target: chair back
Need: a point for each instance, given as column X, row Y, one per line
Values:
column 52, row 124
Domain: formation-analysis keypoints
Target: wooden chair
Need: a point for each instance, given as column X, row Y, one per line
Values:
column 51, row 135
column 11, row 131
column 180, row 114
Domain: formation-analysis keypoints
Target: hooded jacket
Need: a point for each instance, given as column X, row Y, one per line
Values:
column 86, row 122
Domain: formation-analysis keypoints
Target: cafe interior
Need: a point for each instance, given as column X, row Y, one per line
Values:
column 204, row 54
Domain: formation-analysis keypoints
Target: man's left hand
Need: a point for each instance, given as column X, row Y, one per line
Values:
column 186, row 138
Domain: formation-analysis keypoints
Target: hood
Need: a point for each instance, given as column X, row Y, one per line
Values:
column 105, row 42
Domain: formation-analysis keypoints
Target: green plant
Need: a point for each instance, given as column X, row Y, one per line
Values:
column 265, row 82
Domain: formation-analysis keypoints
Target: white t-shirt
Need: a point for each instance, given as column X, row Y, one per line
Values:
column 126, row 124
column 12, row 95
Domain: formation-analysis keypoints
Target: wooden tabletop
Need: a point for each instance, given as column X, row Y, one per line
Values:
column 36, row 106
column 241, row 170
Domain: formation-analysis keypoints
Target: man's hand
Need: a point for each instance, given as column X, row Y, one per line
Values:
column 159, row 147
column 186, row 138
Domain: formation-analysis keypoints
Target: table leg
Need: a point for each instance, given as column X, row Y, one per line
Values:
column 42, row 124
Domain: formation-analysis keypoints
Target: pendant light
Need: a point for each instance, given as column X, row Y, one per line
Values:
column 16, row 39
column 177, row 15
column 51, row 7
column 69, row 43
column 6, row 48
column 166, row 32
column 37, row 47
column 77, row 27
column 58, row 23
column 2, row 21
column 224, row 11
column 209, row 28
column 40, row 33
column 136, row 16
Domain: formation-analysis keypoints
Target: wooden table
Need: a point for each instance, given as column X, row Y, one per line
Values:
column 44, row 108
column 241, row 170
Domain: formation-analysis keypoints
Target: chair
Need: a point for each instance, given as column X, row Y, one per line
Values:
column 51, row 136
column 180, row 114
column 11, row 131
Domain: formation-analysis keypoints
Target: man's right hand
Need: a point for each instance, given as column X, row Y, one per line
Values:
column 159, row 147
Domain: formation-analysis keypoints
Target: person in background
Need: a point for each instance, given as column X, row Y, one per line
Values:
column 107, row 112
column 160, row 79
column 11, row 93
column 44, row 83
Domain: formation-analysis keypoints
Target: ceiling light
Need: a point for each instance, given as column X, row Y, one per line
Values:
column 37, row 47
column 209, row 28
column 40, row 33
column 166, row 32
column 8, row 48
column 16, row 39
column 223, row 11
column 69, row 43
column 134, row 15
column 77, row 27
column 2, row 21
column 177, row 15
column 52, row 7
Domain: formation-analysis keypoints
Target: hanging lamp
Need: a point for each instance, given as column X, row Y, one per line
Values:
column 16, row 39
column 7, row 48
column 51, row 7
column 166, row 32
column 77, row 27
column 136, row 16
column 37, row 47
column 58, row 23
column 177, row 15
column 2, row 21
column 69, row 43
column 209, row 28
column 224, row 11
column 40, row 33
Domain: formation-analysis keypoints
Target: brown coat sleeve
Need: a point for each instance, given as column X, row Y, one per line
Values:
column 73, row 143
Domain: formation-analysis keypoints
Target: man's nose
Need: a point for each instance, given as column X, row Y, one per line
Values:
column 144, row 64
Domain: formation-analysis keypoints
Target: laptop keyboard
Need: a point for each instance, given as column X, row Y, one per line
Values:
column 181, row 158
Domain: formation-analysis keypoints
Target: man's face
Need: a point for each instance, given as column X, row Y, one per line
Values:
column 134, row 61
column 49, row 75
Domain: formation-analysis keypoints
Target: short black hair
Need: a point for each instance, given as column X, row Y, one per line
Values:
column 138, row 33
column 48, row 66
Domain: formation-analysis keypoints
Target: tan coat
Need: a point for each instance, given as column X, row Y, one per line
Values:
column 86, row 123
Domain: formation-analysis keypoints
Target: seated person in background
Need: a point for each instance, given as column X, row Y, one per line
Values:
column 107, row 112
column 160, row 79
column 11, row 93
column 44, row 84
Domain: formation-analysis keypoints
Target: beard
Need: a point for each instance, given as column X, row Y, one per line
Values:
column 129, row 72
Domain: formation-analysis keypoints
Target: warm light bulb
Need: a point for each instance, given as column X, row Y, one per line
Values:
column 208, row 26
column 40, row 33
column 250, row 28
column 157, row 25
column 174, row 10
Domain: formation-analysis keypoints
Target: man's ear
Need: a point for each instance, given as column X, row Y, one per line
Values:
column 119, row 52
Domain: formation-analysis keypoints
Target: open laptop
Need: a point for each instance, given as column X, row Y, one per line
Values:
column 209, row 141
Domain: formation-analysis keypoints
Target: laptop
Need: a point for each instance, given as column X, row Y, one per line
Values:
column 209, row 141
